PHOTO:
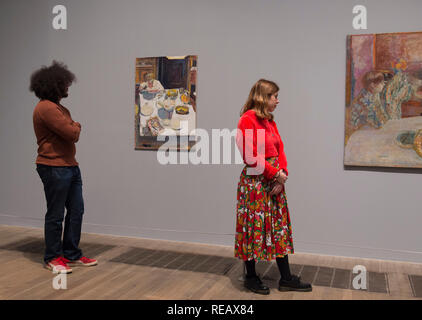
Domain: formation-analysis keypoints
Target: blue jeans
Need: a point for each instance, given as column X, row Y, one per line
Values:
column 63, row 189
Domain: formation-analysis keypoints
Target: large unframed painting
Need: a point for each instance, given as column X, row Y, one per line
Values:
column 165, row 102
column 384, row 100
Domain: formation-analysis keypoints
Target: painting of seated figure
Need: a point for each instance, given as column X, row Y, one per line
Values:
column 165, row 102
column 383, row 116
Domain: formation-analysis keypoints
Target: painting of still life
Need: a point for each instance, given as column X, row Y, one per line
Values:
column 165, row 102
column 383, row 122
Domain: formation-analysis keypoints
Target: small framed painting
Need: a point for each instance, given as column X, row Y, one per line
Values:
column 165, row 102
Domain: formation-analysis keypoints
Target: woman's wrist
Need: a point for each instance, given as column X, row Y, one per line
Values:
column 282, row 176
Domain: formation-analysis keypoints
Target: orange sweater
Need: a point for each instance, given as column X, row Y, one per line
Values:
column 56, row 134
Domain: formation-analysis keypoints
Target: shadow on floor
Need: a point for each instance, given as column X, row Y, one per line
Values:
column 33, row 248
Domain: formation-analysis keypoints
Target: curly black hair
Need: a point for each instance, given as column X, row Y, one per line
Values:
column 51, row 83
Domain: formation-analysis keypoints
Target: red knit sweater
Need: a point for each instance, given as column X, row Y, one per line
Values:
column 56, row 134
column 247, row 144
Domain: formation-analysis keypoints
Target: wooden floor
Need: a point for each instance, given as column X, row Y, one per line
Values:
column 124, row 271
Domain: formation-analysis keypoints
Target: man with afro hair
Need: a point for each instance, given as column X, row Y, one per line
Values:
column 58, row 169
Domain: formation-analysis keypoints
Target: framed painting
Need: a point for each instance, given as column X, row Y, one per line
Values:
column 165, row 102
column 383, row 122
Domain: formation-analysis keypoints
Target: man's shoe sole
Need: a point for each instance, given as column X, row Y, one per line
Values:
column 58, row 271
column 79, row 264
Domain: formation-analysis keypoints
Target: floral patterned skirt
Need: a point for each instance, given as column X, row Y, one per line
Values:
column 263, row 227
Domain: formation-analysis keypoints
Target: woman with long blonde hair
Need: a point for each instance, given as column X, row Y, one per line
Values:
column 263, row 228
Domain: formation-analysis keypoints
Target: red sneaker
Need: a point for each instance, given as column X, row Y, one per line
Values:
column 58, row 265
column 84, row 261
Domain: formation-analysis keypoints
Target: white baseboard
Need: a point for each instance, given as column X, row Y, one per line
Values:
column 322, row 248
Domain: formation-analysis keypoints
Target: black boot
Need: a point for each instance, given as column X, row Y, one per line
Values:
column 294, row 285
column 255, row 284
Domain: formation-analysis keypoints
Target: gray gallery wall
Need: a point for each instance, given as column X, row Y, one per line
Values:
column 299, row 44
